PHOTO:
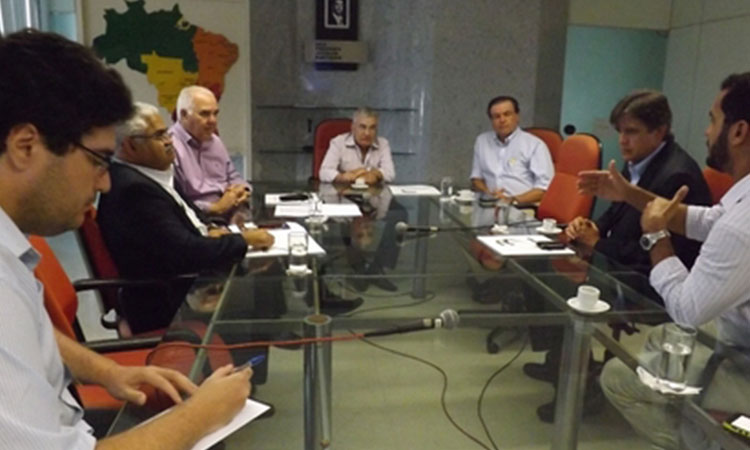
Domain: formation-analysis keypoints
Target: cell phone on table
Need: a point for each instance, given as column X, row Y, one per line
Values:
column 551, row 245
column 739, row 425
column 297, row 196
column 272, row 224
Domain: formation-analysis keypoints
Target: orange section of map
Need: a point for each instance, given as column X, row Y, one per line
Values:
column 216, row 55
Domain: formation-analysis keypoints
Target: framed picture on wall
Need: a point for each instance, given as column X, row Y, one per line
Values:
column 337, row 14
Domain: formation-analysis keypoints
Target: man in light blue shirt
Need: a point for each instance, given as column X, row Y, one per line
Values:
column 510, row 163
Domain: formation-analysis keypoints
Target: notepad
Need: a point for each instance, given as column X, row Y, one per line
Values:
column 414, row 190
column 281, row 243
column 326, row 209
column 521, row 245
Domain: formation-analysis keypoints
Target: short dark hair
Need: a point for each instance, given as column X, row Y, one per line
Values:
column 59, row 86
column 649, row 106
column 500, row 99
column 736, row 103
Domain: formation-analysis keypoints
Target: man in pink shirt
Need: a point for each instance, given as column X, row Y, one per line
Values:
column 204, row 173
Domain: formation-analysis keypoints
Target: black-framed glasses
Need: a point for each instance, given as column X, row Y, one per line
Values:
column 102, row 160
column 160, row 135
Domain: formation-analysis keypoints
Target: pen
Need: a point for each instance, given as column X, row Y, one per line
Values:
column 252, row 362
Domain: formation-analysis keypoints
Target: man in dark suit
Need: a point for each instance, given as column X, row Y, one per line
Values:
column 151, row 231
column 653, row 161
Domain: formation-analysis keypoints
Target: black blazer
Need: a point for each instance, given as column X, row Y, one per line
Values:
column 150, row 236
column 620, row 225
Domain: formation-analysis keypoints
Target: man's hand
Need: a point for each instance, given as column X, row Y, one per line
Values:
column 223, row 393
column 584, row 231
column 500, row 194
column 122, row 382
column 228, row 200
column 659, row 211
column 258, row 239
column 241, row 192
column 373, row 176
column 351, row 176
column 608, row 184
column 218, row 232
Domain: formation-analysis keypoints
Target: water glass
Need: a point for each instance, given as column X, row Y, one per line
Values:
column 446, row 187
column 677, row 342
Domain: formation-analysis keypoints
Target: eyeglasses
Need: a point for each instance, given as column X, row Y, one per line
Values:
column 101, row 159
column 161, row 135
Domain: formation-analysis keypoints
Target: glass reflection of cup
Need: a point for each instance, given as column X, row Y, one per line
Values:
column 549, row 224
column 446, row 187
column 587, row 297
column 360, row 181
column 677, row 343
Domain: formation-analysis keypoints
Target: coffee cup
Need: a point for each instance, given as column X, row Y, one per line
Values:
column 587, row 297
column 466, row 194
column 549, row 225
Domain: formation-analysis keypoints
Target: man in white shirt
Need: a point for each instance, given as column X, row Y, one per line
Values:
column 359, row 154
column 56, row 138
column 716, row 288
column 510, row 163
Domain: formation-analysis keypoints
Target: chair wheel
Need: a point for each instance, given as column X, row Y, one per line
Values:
column 492, row 347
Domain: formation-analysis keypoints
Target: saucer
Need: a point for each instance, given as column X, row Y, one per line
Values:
column 360, row 186
column 556, row 230
column 464, row 200
column 599, row 307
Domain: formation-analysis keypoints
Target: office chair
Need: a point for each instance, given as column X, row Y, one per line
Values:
column 718, row 183
column 551, row 138
column 325, row 131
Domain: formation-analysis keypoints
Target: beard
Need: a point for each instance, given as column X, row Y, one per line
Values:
column 718, row 152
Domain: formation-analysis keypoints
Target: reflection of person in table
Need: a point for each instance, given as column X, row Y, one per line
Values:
column 510, row 163
column 359, row 154
column 717, row 288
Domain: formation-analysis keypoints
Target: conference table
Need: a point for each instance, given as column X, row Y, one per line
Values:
column 359, row 381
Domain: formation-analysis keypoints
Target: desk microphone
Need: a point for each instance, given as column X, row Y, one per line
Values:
column 447, row 319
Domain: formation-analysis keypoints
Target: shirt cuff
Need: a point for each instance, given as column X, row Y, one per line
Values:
column 692, row 219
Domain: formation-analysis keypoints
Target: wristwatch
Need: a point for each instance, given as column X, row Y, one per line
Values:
column 648, row 240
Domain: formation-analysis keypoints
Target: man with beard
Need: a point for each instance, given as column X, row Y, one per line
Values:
column 718, row 285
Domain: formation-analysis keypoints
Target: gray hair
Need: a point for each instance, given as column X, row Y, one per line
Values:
column 185, row 101
column 137, row 123
column 364, row 112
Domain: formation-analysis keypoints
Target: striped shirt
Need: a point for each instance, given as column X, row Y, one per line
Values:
column 718, row 286
column 36, row 409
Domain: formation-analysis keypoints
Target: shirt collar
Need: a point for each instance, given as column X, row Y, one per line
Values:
column 15, row 241
column 163, row 177
column 349, row 142
column 507, row 140
column 737, row 192
column 183, row 135
column 637, row 169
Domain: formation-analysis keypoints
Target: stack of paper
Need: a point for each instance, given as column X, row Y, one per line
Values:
column 521, row 245
column 281, row 243
column 414, row 190
column 326, row 209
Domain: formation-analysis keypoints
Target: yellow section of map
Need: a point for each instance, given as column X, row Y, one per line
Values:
column 168, row 77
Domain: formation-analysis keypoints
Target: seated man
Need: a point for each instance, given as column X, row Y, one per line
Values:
column 151, row 231
column 653, row 160
column 203, row 170
column 717, row 286
column 56, row 136
column 359, row 154
column 510, row 163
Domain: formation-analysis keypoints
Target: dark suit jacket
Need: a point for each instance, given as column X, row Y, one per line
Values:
column 150, row 236
column 620, row 225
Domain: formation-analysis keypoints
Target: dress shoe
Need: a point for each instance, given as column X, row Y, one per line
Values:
column 337, row 305
column 359, row 283
column 593, row 403
column 287, row 336
column 541, row 371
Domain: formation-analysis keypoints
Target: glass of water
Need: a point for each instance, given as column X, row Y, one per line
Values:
column 446, row 187
column 677, row 342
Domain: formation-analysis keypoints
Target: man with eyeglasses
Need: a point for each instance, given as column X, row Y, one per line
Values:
column 152, row 231
column 60, row 106
column 203, row 170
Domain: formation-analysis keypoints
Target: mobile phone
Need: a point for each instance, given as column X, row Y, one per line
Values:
column 270, row 224
column 738, row 424
column 297, row 196
column 551, row 245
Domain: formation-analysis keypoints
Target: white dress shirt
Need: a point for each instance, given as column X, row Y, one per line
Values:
column 36, row 409
column 344, row 155
column 518, row 164
column 718, row 286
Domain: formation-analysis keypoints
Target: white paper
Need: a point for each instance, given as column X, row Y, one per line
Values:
column 281, row 243
column 326, row 209
column 521, row 245
column 414, row 190
column 653, row 382
column 275, row 199
column 251, row 411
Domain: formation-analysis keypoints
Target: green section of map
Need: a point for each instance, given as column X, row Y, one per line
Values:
column 167, row 48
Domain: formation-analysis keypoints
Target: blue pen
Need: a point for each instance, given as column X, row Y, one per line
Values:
column 252, row 362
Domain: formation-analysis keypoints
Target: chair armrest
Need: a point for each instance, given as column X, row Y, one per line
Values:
column 102, row 283
column 134, row 343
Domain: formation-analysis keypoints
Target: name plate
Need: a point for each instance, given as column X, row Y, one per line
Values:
column 335, row 52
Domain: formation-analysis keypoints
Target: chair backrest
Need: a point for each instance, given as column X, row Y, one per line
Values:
column 60, row 299
column 551, row 138
column 579, row 152
column 98, row 256
column 718, row 183
column 562, row 200
column 324, row 132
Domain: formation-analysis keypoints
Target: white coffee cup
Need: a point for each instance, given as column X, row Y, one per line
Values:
column 466, row 194
column 587, row 296
column 549, row 224
column 360, row 181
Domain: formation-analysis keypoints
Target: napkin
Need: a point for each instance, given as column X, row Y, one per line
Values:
column 653, row 382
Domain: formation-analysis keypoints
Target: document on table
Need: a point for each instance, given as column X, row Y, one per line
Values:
column 520, row 245
column 414, row 190
column 326, row 209
column 281, row 243
column 251, row 411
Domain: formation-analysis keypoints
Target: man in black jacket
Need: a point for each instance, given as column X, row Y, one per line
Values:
column 151, row 231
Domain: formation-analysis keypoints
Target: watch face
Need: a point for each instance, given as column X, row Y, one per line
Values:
column 646, row 243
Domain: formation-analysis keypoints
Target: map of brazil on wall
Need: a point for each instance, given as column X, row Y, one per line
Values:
column 161, row 46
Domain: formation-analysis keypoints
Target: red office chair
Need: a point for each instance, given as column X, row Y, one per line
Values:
column 551, row 138
column 718, row 183
column 324, row 132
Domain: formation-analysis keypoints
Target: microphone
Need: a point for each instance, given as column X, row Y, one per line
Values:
column 447, row 319
column 403, row 227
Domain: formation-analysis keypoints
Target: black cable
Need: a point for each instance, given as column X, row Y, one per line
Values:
column 442, row 394
column 487, row 384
